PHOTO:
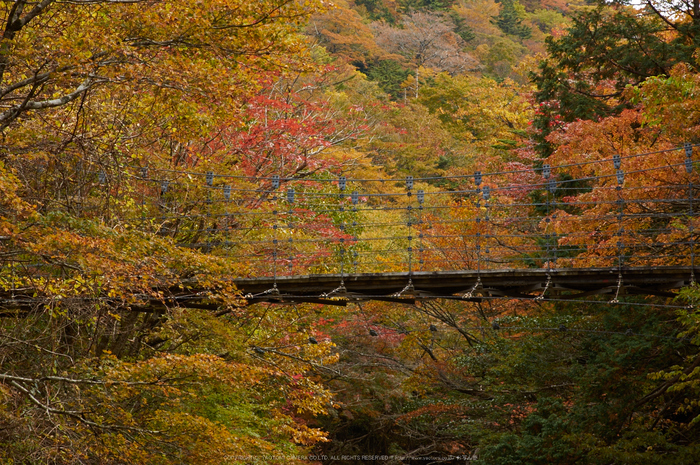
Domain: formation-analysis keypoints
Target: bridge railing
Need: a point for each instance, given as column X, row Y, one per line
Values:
column 630, row 211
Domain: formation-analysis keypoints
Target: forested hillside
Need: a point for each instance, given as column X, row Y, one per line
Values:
column 128, row 127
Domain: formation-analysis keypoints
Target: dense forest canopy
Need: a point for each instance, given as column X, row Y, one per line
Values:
column 100, row 364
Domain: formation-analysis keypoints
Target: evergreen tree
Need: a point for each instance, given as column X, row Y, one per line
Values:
column 462, row 28
column 389, row 74
column 509, row 20
column 413, row 5
column 377, row 10
column 606, row 50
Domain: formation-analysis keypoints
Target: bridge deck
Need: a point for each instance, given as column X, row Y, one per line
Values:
column 467, row 284
column 405, row 288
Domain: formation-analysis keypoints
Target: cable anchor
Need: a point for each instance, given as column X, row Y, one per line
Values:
column 540, row 297
column 616, row 299
column 408, row 289
column 470, row 294
column 338, row 291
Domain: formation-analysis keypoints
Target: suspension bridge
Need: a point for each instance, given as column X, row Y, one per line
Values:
column 602, row 228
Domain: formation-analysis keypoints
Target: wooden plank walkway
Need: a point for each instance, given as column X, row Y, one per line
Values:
column 468, row 285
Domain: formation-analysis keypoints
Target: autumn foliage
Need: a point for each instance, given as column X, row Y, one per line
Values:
column 151, row 150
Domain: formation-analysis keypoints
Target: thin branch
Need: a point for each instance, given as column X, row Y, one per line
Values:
column 260, row 20
column 658, row 13
column 664, row 387
column 12, row 379
column 78, row 415
column 10, row 115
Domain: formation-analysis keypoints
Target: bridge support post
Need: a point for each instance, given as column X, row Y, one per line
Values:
column 689, row 170
column 617, row 161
